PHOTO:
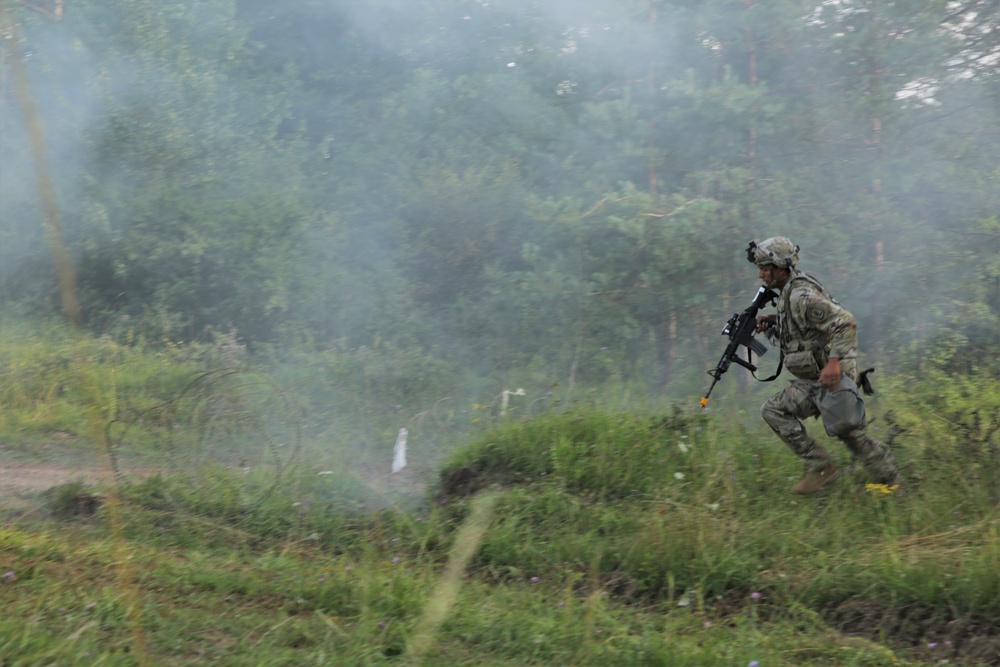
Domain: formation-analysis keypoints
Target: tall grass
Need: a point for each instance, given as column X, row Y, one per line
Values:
column 691, row 504
column 639, row 537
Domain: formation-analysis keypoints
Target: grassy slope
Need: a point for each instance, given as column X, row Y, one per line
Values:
column 611, row 538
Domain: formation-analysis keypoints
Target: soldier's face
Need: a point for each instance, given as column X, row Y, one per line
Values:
column 772, row 276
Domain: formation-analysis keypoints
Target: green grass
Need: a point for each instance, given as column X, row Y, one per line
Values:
column 611, row 537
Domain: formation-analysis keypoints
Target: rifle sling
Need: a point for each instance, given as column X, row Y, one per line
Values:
column 863, row 382
column 781, row 362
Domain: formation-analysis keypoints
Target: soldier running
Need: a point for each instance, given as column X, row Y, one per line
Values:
column 818, row 339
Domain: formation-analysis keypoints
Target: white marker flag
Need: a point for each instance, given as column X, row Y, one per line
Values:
column 399, row 453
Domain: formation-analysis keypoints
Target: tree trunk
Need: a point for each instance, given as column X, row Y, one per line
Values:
column 46, row 187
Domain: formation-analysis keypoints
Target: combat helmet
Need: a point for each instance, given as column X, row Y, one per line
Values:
column 777, row 250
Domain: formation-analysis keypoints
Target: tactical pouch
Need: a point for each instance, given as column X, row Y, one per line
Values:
column 842, row 409
column 802, row 364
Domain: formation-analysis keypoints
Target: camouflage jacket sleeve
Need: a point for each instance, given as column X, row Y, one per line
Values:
column 818, row 315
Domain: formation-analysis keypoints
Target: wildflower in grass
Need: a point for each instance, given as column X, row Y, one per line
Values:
column 755, row 595
column 684, row 447
column 90, row 606
column 396, row 559
column 713, row 506
column 932, row 645
column 753, row 663
column 678, row 475
column 535, row 580
column 881, row 489
column 8, row 578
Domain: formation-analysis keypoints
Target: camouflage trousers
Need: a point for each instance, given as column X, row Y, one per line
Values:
column 784, row 413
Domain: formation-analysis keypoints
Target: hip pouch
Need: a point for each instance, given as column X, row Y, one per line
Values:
column 842, row 409
column 802, row 364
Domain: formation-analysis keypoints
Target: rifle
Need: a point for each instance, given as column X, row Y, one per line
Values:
column 740, row 328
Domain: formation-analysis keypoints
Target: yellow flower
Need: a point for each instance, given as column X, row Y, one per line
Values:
column 881, row 488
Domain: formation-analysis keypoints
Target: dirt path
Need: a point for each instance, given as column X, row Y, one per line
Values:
column 27, row 471
column 18, row 479
column 22, row 484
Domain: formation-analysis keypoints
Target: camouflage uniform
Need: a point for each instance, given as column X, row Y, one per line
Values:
column 812, row 327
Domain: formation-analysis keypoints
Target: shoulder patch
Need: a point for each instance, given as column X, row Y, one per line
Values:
column 817, row 314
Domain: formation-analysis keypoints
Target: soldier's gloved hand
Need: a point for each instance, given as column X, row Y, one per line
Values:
column 765, row 322
column 830, row 375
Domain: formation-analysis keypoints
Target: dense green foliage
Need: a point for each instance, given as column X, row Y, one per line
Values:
column 512, row 190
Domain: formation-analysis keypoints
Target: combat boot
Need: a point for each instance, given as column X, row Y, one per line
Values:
column 815, row 481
